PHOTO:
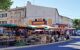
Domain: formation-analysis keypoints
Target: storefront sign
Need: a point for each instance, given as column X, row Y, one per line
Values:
column 38, row 23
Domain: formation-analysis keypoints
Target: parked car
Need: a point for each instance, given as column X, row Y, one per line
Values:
column 78, row 32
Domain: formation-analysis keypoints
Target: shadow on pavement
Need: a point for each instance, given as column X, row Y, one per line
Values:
column 53, row 46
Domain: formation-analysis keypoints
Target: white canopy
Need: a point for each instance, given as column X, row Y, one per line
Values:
column 43, row 26
column 38, row 30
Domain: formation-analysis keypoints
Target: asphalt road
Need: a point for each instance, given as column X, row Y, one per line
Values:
column 73, row 44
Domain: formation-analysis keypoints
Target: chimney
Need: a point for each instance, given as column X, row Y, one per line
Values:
column 28, row 3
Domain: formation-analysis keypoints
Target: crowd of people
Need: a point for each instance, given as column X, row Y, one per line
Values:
column 32, row 37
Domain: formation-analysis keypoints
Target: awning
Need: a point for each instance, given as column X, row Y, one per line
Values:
column 70, row 28
column 31, row 27
column 8, row 25
column 36, row 26
column 41, row 26
column 38, row 30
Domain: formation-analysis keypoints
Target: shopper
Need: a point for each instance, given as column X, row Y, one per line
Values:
column 67, row 35
column 17, row 37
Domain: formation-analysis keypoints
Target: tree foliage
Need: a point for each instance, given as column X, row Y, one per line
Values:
column 76, row 23
column 5, row 4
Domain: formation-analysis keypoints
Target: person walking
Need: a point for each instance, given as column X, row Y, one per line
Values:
column 17, row 37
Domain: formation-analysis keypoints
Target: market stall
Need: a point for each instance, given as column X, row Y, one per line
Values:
column 7, row 34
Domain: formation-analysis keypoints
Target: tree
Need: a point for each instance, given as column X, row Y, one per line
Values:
column 76, row 23
column 5, row 4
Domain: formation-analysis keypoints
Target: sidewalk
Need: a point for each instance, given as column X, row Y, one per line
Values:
column 75, row 36
column 17, row 47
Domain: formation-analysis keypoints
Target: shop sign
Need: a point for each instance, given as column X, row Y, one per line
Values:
column 38, row 23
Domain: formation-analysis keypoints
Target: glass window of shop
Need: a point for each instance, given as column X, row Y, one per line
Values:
column 3, row 22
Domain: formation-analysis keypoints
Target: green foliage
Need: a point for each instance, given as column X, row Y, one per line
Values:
column 5, row 4
column 76, row 23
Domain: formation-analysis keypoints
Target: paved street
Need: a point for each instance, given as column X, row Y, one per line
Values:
column 69, row 45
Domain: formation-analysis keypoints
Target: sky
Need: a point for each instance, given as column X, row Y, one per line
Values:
column 68, row 8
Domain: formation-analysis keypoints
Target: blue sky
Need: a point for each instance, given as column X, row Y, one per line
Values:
column 69, row 8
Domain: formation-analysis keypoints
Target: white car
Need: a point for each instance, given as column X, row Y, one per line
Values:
column 78, row 32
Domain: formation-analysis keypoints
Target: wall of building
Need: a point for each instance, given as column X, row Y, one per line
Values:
column 3, row 17
column 60, row 19
column 25, row 15
column 66, row 20
column 16, row 15
column 34, row 12
column 70, row 22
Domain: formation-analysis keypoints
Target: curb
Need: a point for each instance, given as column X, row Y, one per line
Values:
column 16, row 47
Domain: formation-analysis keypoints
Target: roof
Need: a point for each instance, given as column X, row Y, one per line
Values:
column 65, row 17
column 17, row 8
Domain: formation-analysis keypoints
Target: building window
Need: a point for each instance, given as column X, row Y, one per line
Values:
column 0, row 22
column 17, row 14
column 0, row 15
column 3, row 22
column 3, row 15
column 35, row 20
column 44, row 20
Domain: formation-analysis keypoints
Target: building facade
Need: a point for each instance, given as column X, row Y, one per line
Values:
column 41, row 14
column 66, row 20
column 3, row 17
column 34, row 15
column 17, row 15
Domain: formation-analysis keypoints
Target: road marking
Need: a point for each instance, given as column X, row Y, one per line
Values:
column 75, row 36
column 75, row 45
column 72, row 46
